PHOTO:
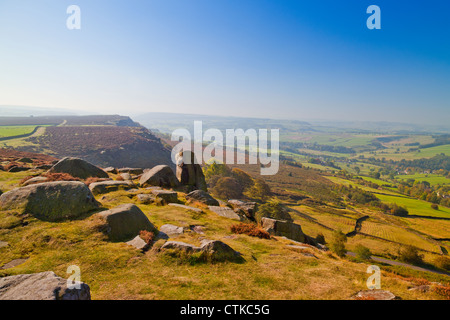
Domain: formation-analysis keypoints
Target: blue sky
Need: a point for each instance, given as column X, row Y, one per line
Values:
column 276, row 59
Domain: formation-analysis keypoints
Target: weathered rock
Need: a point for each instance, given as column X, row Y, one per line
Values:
column 189, row 172
column 166, row 195
column 244, row 208
column 110, row 170
column 161, row 176
column 203, row 197
column 41, row 286
column 198, row 210
column 126, row 176
column 198, row 229
column 219, row 251
column 130, row 171
column 422, row 288
column 109, row 186
column 51, row 201
column 375, row 295
column 283, row 228
column 171, row 231
column 34, row 180
column 138, row 243
column 78, row 168
column 181, row 246
column 3, row 244
column 125, row 222
column 14, row 263
column 146, row 198
column 226, row 213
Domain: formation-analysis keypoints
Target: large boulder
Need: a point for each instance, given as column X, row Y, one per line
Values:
column 51, row 201
column 283, row 228
column 161, row 176
column 109, row 186
column 125, row 222
column 219, row 251
column 78, row 168
column 203, row 197
column 188, row 172
column 41, row 286
column 375, row 295
column 244, row 208
column 166, row 195
column 226, row 213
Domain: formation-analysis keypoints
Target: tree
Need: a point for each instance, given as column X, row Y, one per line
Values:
column 260, row 190
column 273, row 210
column 227, row 188
column 410, row 254
column 244, row 179
column 363, row 252
column 337, row 244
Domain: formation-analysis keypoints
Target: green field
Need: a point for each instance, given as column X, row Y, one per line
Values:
column 11, row 131
column 431, row 178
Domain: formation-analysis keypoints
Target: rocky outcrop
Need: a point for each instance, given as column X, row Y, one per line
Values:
column 211, row 250
column 190, row 173
column 138, row 243
column 35, row 180
column 135, row 171
column 125, row 222
column 247, row 209
column 284, row 228
column 161, row 176
column 146, row 198
column 226, row 213
column 41, row 286
column 203, row 197
column 51, row 201
column 78, row 168
column 109, row 186
column 166, row 195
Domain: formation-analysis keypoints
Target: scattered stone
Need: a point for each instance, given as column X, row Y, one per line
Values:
column 146, row 198
column 219, row 251
column 166, row 195
column 136, row 171
column 293, row 246
column 189, row 172
column 160, row 176
column 3, row 244
column 110, row 170
column 109, row 186
column 138, row 243
column 51, row 201
column 133, row 190
column 198, row 210
column 203, row 197
column 34, row 180
column 182, row 246
column 422, row 288
column 126, row 176
column 125, row 222
column 226, row 212
column 78, row 168
column 14, row 263
column 375, row 295
column 197, row 229
column 171, row 231
column 41, row 286
column 283, row 228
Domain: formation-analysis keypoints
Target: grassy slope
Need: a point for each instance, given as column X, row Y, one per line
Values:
column 118, row 271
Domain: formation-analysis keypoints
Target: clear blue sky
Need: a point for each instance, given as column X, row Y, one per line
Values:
column 276, row 59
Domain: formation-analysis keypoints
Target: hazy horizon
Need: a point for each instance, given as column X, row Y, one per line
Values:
column 259, row 59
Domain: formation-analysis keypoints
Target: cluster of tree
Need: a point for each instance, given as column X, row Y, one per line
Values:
column 423, row 190
column 273, row 209
column 326, row 163
column 318, row 147
column 439, row 140
column 227, row 183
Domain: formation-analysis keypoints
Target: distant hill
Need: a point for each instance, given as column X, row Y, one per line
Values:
column 27, row 111
column 104, row 140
